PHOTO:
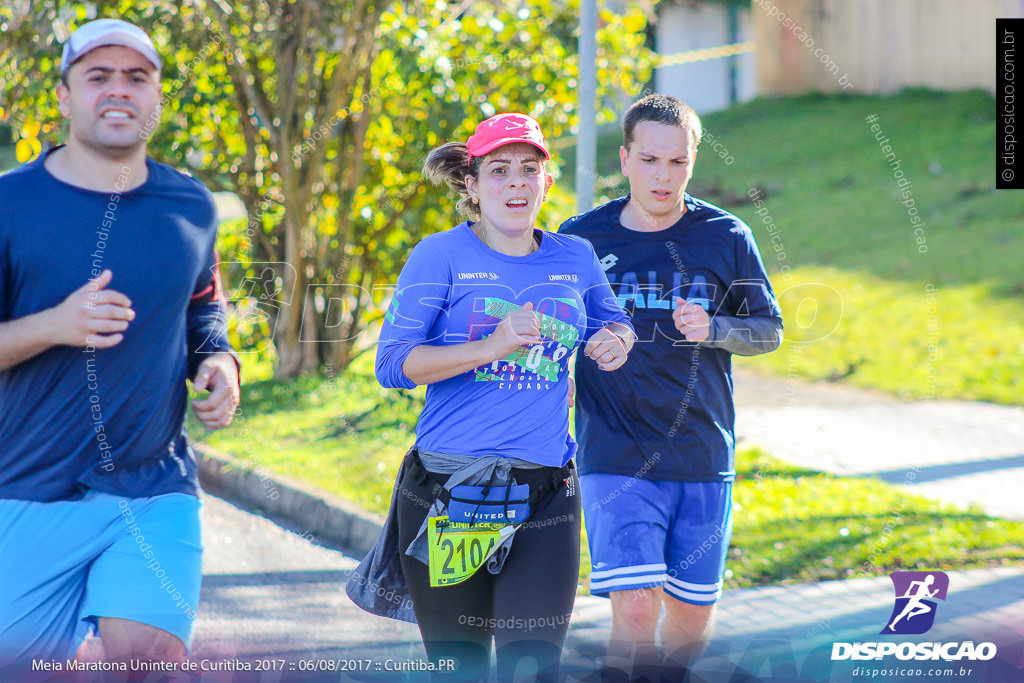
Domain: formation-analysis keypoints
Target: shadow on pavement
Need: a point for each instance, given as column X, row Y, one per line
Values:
column 930, row 473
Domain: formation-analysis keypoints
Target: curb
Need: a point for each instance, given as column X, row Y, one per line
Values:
column 319, row 513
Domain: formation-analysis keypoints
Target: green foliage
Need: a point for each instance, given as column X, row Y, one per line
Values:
column 844, row 259
column 7, row 158
column 319, row 115
column 451, row 71
column 900, row 337
column 832, row 193
column 347, row 436
column 793, row 525
column 343, row 434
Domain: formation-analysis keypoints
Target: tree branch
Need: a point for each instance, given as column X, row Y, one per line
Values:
column 254, row 95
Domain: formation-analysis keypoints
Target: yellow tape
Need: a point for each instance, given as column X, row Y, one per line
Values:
column 705, row 54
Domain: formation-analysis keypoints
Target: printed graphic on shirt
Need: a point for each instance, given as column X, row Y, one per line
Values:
column 537, row 366
column 389, row 315
column 644, row 290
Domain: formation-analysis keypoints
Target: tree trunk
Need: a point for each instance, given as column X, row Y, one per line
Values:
column 295, row 355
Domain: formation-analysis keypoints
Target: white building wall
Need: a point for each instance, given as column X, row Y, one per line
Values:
column 704, row 85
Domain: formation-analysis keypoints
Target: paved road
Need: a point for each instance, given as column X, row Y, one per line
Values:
column 268, row 589
column 271, row 591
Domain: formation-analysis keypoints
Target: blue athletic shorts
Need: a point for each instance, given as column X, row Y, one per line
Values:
column 67, row 563
column 646, row 534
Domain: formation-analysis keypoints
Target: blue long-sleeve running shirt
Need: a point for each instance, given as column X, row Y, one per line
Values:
column 454, row 289
column 668, row 413
column 78, row 418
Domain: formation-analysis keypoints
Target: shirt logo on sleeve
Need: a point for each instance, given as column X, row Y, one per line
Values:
column 573, row 277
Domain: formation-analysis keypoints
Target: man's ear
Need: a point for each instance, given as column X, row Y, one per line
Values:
column 623, row 154
column 63, row 103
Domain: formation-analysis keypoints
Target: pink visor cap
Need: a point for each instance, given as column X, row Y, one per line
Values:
column 104, row 32
column 504, row 129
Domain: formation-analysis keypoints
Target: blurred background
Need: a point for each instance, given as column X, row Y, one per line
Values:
column 855, row 137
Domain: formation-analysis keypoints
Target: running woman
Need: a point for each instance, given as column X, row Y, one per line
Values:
column 487, row 315
column 109, row 301
column 656, row 439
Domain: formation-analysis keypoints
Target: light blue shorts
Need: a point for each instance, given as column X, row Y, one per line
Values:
column 65, row 564
column 649, row 534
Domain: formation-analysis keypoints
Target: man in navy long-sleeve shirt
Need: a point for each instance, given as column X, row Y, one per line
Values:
column 109, row 299
column 656, row 441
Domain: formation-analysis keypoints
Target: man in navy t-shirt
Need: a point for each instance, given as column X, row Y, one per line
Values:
column 109, row 300
column 656, row 438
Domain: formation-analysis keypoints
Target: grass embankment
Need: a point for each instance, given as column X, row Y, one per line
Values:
column 794, row 525
column 857, row 307
column 856, row 279
column 856, row 295
column 347, row 436
column 847, row 249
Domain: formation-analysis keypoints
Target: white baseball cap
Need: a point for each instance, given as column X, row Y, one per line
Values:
column 104, row 32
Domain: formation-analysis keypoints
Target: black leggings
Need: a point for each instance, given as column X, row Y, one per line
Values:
column 526, row 608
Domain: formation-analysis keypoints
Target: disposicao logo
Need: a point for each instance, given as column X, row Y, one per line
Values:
column 914, row 611
column 913, row 614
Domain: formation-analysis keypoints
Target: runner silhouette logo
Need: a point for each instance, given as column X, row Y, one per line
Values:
column 914, row 611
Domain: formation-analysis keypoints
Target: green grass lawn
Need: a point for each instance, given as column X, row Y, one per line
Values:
column 856, row 308
column 794, row 525
column 854, row 298
column 963, row 342
column 347, row 436
column 862, row 305
column 832, row 193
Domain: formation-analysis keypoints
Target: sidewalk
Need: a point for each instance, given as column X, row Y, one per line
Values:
column 958, row 451
column 288, row 601
column 787, row 632
column 276, row 593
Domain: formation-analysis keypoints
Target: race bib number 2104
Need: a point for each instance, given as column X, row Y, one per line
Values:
column 458, row 550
